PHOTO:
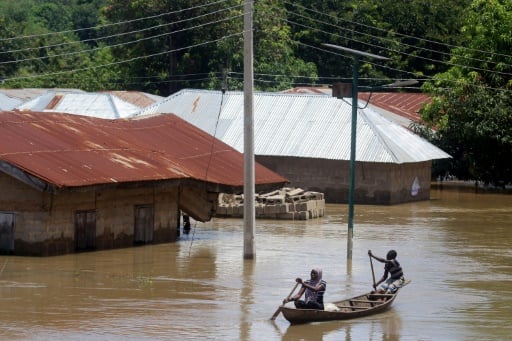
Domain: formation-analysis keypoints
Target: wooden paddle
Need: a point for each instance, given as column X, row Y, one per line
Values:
column 371, row 264
column 282, row 305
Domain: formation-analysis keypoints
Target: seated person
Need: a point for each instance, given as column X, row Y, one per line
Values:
column 314, row 289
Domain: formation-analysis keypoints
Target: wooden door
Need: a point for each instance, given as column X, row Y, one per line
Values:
column 85, row 230
column 7, row 232
column 144, row 220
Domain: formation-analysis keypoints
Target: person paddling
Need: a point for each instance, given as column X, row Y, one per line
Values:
column 314, row 289
column 392, row 269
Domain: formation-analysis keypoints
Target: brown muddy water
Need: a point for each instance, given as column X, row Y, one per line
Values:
column 455, row 248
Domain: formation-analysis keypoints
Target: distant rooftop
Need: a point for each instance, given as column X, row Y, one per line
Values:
column 102, row 105
column 401, row 107
column 298, row 125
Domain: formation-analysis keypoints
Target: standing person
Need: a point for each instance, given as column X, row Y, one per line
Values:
column 314, row 289
column 393, row 269
column 186, row 224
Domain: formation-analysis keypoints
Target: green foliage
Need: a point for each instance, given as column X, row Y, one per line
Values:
column 472, row 105
column 388, row 28
column 43, row 51
column 162, row 46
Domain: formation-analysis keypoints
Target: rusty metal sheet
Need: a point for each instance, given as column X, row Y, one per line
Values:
column 140, row 99
column 404, row 104
column 70, row 150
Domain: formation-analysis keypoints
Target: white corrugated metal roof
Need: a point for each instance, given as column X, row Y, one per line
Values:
column 298, row 125
column 101, row 105
column 8, row 102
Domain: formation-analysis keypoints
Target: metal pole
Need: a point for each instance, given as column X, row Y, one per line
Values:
column 249, row 209
column 353, row 133
column 356, row 54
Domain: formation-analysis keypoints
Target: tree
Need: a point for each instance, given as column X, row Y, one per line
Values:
column 408, row 32
column 472, row 102
column 40, row 48
column 179, row 44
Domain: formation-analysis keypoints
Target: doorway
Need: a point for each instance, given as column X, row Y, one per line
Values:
column 85, row 230
column 7, row 221
column 144, row 221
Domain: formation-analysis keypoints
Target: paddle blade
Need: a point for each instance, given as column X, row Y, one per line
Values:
column 276, row 314
column 288, row 298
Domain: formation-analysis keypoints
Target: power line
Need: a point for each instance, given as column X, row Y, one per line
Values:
column 112, row 24
column 123, row 61
column 396, row 51
column 222, row 38
column 120, row 44
column 115, row 35
column 449, row 46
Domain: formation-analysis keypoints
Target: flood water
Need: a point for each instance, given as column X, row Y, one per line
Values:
column 456, row 248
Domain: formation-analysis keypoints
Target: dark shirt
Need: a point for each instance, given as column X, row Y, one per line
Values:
column 394, row 269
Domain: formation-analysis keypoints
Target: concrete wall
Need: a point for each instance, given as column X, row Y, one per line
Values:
column 375, row 183
column 44, row 223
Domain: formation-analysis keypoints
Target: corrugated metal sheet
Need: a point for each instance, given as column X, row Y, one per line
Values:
column 102, row 105
column 406, row 105
column 8, row 103
column 26, row 94
column 71, row 150
column 299, row 125
column 402, row 108
column 137, row 98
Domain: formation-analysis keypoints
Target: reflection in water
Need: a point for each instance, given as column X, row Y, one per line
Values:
column 247, row 298
column 455, row 248
column 317, row 331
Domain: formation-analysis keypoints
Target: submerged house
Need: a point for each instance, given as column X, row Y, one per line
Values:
column 72, row 183
column 307, row 138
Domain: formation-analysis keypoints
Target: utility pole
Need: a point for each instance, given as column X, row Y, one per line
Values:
column 249, row 208
column 355, row 56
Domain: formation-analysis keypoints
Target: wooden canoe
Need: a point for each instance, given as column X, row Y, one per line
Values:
column 354, row 307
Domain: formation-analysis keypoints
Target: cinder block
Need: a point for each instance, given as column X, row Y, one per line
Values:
column 274, row 200
column 295, row 192
column 229, row 210
column 320, row 204
column 301, row 206
column 287, row 216
column 303, row 215
column 284, row 208
column 221, row 210
column 260, row 210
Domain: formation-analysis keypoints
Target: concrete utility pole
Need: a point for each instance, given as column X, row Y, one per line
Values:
column 249, row 209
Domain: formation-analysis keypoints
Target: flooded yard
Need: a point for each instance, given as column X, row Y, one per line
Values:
column 456, row 249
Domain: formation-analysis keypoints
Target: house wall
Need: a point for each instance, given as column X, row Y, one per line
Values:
column 375, row 183
column 45, row 223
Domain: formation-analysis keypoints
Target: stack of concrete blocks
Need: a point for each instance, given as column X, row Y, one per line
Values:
column 285, row 203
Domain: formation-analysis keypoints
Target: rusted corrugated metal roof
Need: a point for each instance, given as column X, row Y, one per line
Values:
column 310, row 90
column 406, row 105
column 140, row 99
column 73, row 151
